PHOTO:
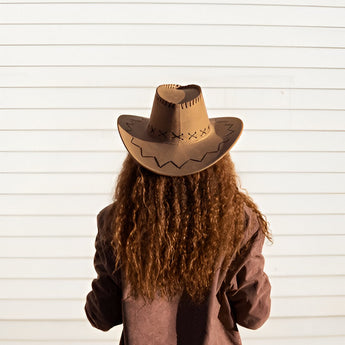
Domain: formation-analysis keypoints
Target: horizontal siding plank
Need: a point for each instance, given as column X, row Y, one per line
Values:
column 151, row 76
column 178, row 13
column 273, row 327
column 61, row 309
column 73, row 204
column 108, row 140
column 38, row 283
column 77, row 205
column 47, row 288
column 307, row 286
column 266, row 182
column 63, row 183
column 171, row 34
column 111, row 162
column 338, row 3
column 296, row 327
column 92, row 183
column 44, row 330
column 306, row 224
column 46, row 247
column 85, row 162
column 312, row 340
column 295, row 204
column 223, row 98
column 172, row 56
column 285, row 266
column 99, row 341
column 83, row 246
column 63, row 225
column 74, row 225
column 70, row 268
column 254, row 119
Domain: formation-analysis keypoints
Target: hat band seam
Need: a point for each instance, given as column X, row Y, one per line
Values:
column 152, row 131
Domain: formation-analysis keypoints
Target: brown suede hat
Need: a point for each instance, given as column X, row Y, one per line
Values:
column 179, row 138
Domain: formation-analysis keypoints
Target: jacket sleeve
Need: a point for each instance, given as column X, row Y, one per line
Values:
column 249, row 292
column 103, row 305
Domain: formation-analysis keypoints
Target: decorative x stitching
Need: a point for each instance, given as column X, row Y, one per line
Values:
column 176, row 136
column 203, row 132
column 192, row 135
column 162, row 133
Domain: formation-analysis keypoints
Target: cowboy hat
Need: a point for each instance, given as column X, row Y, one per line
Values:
column 179, row 138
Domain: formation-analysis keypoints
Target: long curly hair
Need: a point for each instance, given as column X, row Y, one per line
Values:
column 168, row 231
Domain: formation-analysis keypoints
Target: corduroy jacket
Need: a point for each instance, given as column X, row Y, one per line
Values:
column 239, row 295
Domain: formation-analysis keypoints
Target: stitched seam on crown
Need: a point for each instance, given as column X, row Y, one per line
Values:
column 181, row 105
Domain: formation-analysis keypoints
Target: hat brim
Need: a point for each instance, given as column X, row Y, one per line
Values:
column 178, row 159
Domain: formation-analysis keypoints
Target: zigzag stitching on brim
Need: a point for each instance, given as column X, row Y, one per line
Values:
column 179, row 167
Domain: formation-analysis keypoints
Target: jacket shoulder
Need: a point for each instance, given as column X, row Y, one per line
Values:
column 105, row 211
column 104, row 217
column 252, row 224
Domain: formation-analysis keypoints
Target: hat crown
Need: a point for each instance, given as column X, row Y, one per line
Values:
column 179, row 114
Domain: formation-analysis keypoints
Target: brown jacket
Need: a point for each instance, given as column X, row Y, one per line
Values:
column 241, row 295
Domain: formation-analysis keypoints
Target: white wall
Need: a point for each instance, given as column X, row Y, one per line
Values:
column 67, row 70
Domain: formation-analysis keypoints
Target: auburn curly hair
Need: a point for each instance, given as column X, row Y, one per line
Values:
column 168, row 231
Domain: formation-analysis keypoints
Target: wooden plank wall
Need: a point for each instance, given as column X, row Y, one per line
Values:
column 68, row 69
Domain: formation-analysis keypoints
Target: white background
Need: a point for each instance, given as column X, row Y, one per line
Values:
column 69, row 69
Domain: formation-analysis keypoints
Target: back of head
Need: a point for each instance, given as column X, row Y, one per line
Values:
column 168, row 231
